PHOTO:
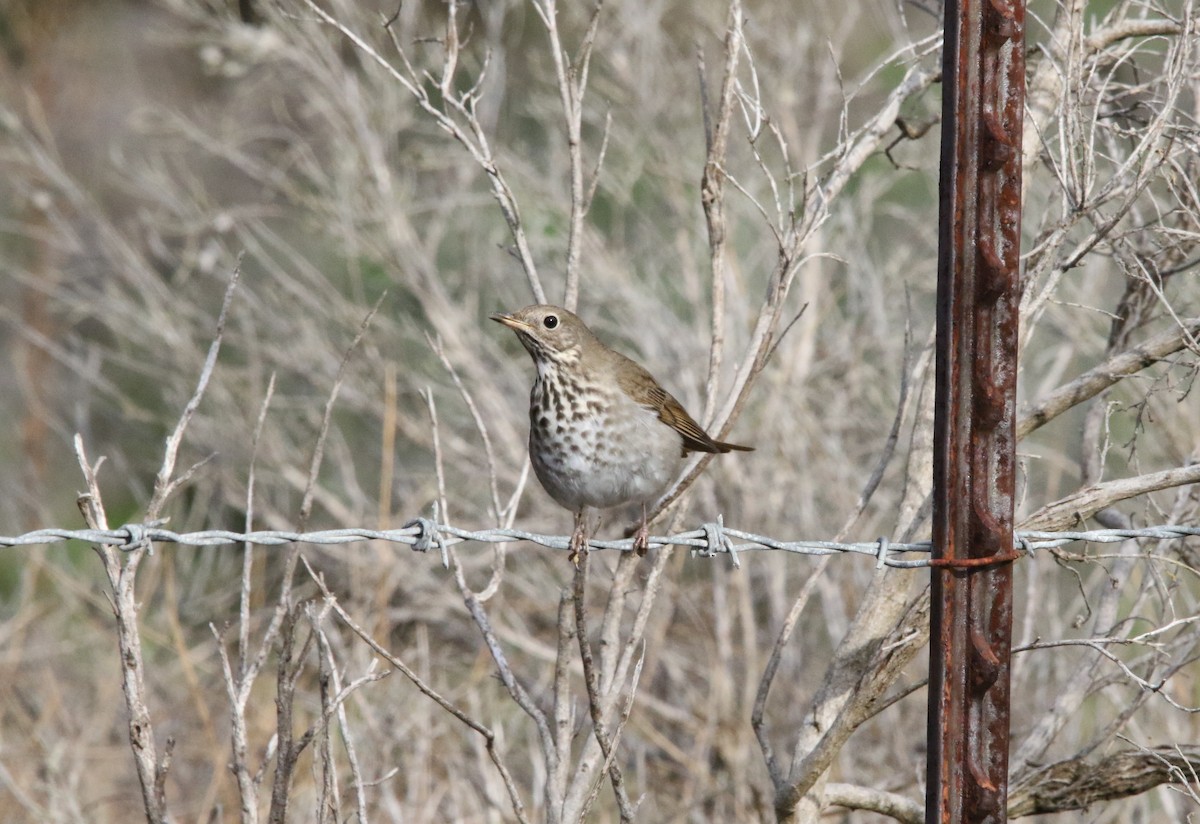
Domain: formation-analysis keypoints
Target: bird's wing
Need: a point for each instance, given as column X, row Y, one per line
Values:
column 639, row 385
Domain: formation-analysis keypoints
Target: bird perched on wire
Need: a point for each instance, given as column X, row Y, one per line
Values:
column 602, row 431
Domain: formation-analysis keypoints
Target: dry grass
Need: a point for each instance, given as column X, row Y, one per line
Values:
column 147, row 145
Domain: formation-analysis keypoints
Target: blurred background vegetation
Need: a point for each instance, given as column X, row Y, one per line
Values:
column 145, row 144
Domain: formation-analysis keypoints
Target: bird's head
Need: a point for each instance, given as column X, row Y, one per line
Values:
column 551, row 334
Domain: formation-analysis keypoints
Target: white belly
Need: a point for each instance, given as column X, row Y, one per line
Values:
column 604, row 456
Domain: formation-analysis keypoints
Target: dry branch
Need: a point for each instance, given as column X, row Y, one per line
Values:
column 122, row 568
column 595, row 698
column 121, row 579
column 1081, row 505
column 1080, row 783
column 1099, row 378
column 893, row 805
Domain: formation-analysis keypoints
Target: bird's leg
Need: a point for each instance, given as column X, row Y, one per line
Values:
column 641, row 538
column 579, row 538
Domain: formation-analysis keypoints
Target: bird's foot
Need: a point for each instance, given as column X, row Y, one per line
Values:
column 641, row 540
column 579, row 541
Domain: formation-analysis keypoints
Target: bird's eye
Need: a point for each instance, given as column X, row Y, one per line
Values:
column 550, row 321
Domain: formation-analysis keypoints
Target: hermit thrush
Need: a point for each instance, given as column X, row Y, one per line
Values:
column 602, row 431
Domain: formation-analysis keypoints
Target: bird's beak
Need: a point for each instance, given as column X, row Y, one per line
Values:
column 509, row 321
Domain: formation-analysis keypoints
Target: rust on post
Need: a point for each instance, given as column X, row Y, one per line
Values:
column 975, row 430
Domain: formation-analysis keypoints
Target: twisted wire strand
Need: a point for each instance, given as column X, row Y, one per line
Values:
column 423, row 534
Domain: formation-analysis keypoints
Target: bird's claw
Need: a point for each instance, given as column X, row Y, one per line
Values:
column 579, row 544
column 641, row 540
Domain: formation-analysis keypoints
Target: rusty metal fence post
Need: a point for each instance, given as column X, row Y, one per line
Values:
column 978, row 299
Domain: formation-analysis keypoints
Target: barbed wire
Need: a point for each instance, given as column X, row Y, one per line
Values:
column 423, row 534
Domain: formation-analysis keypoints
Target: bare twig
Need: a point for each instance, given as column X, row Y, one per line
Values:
column 592, row 684
column 1082, row 504
column 768, row 676
column 1099, row 378
column 712, row 197
column 164, row 483
column 1077, row 784
column 121, row 569
column 428, row 691
column 572, row 79
column 459, row 121
column 892, row 805
column 319, row 448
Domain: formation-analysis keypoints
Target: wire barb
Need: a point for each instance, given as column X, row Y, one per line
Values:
column 135, row 538
column 714, row 538
column 428, row 535
column 883, row 552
